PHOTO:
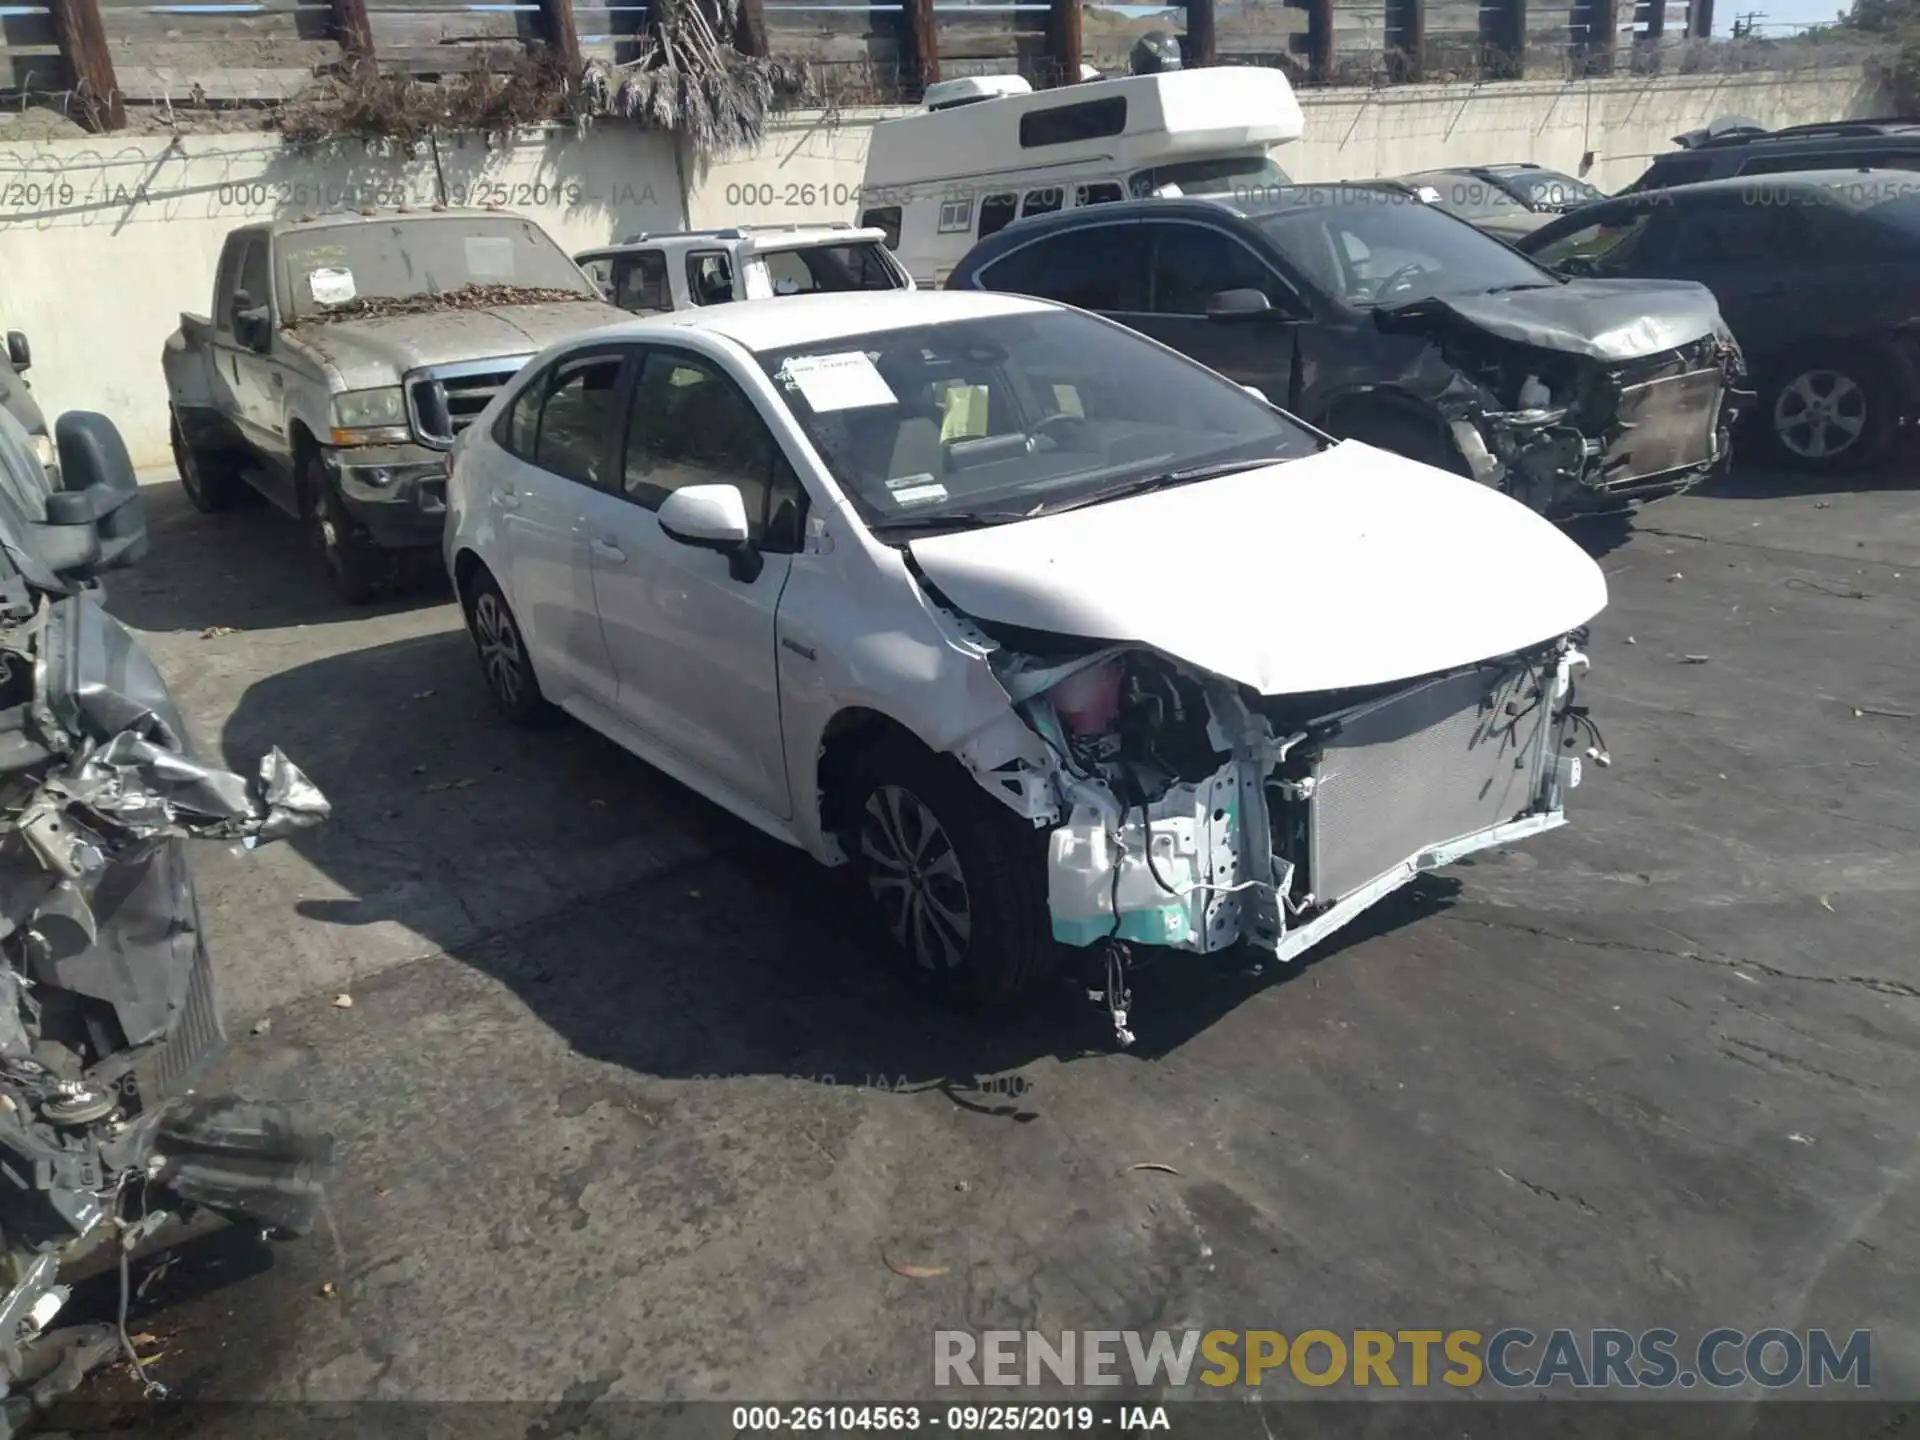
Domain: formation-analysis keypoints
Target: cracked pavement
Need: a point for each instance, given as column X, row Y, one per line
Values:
column 629, row 1107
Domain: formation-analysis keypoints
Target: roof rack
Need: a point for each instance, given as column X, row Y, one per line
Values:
column 733, row 232
column 1832, row 129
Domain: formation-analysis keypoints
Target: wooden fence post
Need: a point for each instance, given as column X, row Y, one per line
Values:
column 1063, row 40
column 353, row 29
column 1200, row 42
column 1320, row 39
column 750, row 32
column 560, row 33
column 82, row 37
column 920, row 65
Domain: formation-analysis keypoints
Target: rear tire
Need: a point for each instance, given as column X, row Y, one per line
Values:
column 956, row 879
column 502, row 650
column 210, row 478
column 1828, row 412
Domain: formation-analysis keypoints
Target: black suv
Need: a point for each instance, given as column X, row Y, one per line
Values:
column 1380, row 318
column 1842, row 145
column 1817, row 275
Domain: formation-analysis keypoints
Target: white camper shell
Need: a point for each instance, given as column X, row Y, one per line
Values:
column 987, row 151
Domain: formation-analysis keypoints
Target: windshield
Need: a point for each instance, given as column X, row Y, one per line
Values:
column 1240, row 176
column 1384, row 247
column 821, row 268
column 1550, row 190
column 422, row 255
column 1468, row 196
column 1003, row 414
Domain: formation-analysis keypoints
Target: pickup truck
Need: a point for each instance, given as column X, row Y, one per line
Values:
column 345, row 354
column 657, row 273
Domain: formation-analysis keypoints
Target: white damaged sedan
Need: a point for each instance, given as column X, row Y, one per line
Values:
column 1064, row 641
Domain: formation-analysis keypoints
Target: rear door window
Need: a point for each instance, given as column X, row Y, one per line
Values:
column 1729, row 232
column 996, row 213
column 1098, row 267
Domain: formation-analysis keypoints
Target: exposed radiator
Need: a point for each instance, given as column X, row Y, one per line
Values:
column 1422, row 767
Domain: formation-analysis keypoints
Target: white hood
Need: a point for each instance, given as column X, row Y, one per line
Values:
column 1351, row 567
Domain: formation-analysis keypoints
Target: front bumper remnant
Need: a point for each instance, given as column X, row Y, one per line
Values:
column 397, row 493
column 1293, row 837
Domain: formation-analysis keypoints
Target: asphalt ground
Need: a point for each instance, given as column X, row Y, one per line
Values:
column 631, row 1107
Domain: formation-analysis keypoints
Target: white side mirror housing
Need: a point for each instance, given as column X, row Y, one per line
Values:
column 713, row 516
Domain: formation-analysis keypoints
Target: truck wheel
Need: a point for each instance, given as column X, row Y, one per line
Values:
column 357, row 566
column 211, row 479
column 957, row 880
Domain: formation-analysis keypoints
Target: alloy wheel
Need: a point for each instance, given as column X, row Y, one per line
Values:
column 914, row 874
column 1820, row 414
column 500, row 653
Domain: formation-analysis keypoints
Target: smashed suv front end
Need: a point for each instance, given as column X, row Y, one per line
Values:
column 1589, row 396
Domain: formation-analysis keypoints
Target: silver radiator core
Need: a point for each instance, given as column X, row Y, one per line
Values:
column 1422, row 767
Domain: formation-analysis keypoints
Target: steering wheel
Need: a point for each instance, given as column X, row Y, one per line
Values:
column 1404, row 273
column 1044, row 427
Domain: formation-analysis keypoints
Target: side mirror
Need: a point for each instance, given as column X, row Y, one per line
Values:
column 98, row 521
column 1576, row 265
column 19, row 352
column 713, row 517
column 1239, row 305
column 250, row 321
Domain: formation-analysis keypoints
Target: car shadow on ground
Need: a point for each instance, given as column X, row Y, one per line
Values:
column 266, row 572
column 720, row 951
column 1763, row 480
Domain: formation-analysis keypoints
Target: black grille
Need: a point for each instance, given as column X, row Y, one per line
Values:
column 444, row 405
column 162, row 1070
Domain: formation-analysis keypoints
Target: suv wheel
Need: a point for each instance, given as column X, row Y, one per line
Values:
column 956, row 879
column 1828, row 412
column 504, row 662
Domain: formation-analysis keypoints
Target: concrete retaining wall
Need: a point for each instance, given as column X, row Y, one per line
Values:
column 107, row 241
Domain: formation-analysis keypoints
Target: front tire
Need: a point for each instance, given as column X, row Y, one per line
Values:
column 1421, row 438
column 357, row 566
column 504, row 662
column 956, row 879
column 1828, row 412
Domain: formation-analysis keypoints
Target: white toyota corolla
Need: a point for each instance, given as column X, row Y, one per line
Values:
column 1062, row 639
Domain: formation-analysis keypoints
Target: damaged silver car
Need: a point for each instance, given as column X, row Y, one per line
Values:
column 1377, row 317
column 1065, row 657
column 107, row 1006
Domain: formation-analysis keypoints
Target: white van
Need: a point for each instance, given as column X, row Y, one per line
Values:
column 987, row 151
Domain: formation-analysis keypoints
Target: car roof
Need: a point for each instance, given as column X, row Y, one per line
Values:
column 813, row 319
column 374, row 215
column 1836, row 179
column 764, row 237
column 1813, row 135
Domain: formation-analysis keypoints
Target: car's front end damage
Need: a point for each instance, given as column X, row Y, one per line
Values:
column 107, row 1007
column 1588, row 396
column 1250, row 768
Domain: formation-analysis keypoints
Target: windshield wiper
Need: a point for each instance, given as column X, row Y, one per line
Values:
column 1522, row 285
column 1165, row 480
column 948, row 520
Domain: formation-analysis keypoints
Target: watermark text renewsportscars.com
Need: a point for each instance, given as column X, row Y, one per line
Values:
column 1514, row 1358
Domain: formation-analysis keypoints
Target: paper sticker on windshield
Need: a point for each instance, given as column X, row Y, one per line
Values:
column 838, row 382
column 916, row 490
column 489, row 257
column 330, row 286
